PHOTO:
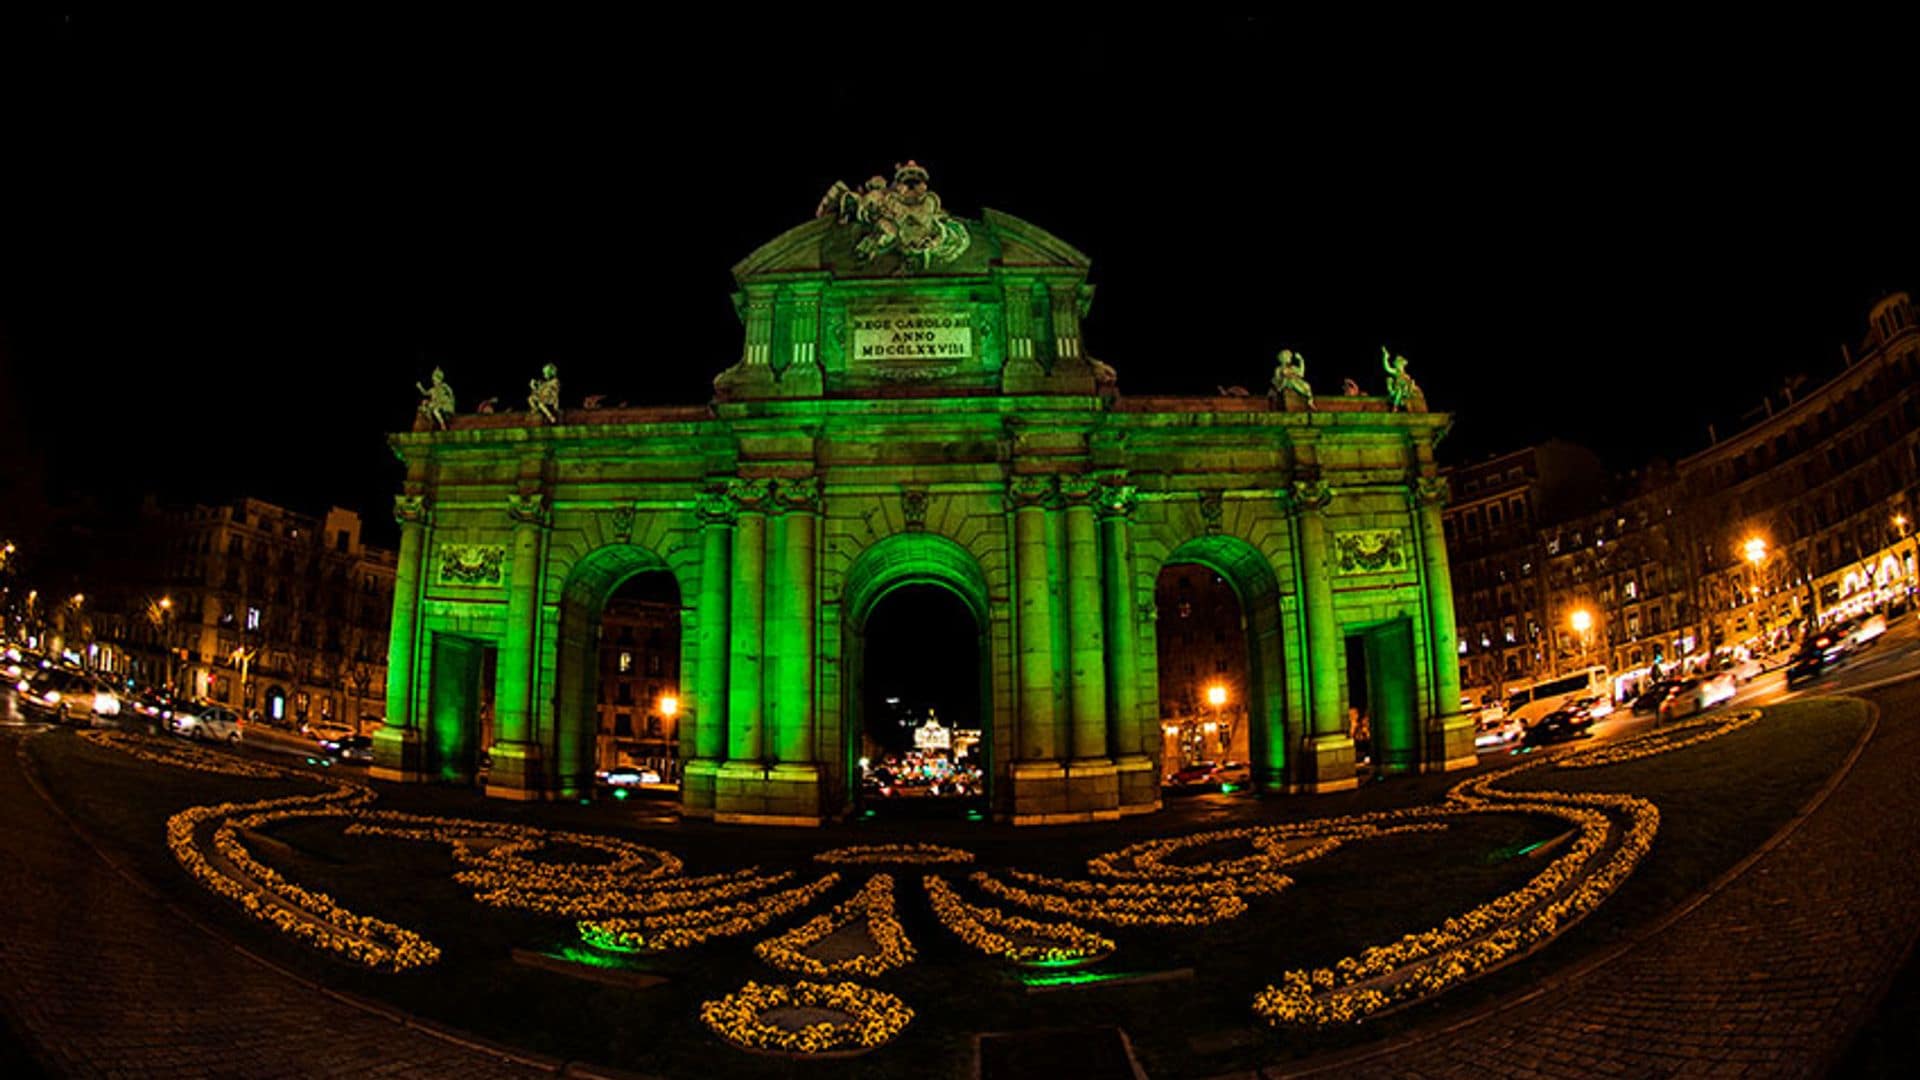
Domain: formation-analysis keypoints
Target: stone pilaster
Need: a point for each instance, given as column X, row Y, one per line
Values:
column 397, row 745
column 518, row 771
column 1327, row 763
column 1037, row 778
column 1092, row 786
column 747, row 611
column 1449, row 729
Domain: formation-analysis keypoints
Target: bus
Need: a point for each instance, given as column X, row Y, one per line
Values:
column 1529, row 703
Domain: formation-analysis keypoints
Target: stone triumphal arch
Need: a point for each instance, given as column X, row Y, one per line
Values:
column 913, row 405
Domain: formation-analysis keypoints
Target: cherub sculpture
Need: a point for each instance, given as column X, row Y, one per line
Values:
column 487, row 405
column 1401, row 389
column 1349, row 388
column 436, row 401
column 544, row 402
column 1290, row 373
column 1106, row 381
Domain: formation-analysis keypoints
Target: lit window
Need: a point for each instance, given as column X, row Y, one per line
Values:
column 626, row 662
column 253, row 618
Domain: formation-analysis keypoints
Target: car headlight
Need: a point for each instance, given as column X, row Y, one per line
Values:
column 53, row 697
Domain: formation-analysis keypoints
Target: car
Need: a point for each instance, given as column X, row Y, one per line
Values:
column 1655, row 693
column 628, row 776
column 1495, row 728
column 1558, row 726
column 206, row 722
column 1818, row 655
column 1866, row 631
column 1747, row 670
column 1697, row 695
column 66, row 696
column 349, row 748
column 153, row 704
column 1233, row 772
column 1597, row 707
column 1200, row 772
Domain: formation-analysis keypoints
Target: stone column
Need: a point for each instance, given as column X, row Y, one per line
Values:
column 517, row 766
column 747, row 611
column 396, row 746
column 1038, row 781
column 1139, row 780
column 1327, row 764
column 707, row 712
column 1093, row 787
column 1450, row 731
column 793, row 788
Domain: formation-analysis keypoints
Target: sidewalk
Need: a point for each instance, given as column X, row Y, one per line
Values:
column 103, row 979
column 1771, row 976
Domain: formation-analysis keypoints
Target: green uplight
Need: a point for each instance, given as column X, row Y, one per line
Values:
column 972, row 815
column 1075, row 978
column 619, row 793
column 1228, row 789
column 1059, row 962
column 588, row 957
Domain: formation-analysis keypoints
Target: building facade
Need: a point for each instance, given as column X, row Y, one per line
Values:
column 1806, row 516
column 913, row 405
column 265, row 610
column 639, row 685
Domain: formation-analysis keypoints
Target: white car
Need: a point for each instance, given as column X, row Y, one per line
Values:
column 1747, row 670
column 1495, row 728
column 1866, row 630
column 206, row 723
column 1697, row 695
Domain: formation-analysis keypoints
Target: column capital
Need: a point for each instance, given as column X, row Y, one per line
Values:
column 751, row 494
column 1310, row 493
column 412, row 510
column 1117, row 498
column 1430, row 490
column 716, row 505
column 1031, row 489
column 530, row 508
column 800, row 494
column 1078, row 489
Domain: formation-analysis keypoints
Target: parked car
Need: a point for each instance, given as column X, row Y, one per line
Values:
column 1558, row 726
column 1697, row 695
column 628, row 776
column 1199, row 772
column 349, row 748
column 1232, row 772
column 206, row 722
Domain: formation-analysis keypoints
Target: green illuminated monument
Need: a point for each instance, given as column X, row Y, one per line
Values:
column 913, row 405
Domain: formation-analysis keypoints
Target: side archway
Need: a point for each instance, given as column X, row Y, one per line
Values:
column 583, row 600
column 886, row 567
column 1253, row 582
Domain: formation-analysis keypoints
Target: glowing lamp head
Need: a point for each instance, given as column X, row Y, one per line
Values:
column 1581, row 620
column 1216, row 695
column 1755, row 550
column 669, row 706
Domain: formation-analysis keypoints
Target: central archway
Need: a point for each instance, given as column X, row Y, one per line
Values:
column 908, row 567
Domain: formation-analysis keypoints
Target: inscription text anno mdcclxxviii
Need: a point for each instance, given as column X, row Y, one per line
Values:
column 912, row 335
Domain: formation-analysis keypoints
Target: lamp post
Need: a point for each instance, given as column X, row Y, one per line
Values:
column 1581, row 620
column 1755, row 550
column 1216, row 697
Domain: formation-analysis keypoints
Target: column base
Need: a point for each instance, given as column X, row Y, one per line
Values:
column 1326, row 765
column 1052, row 793
column 1139, row 781
column 517, row 773
column 749, row 793
column 1454, row 743
column 397, row 755
column 696, row 787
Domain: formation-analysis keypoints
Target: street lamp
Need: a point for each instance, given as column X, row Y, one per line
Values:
column 1756, row 549
column 1216, row 697
column 1581, row 620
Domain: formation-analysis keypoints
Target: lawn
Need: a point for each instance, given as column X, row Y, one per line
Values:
column 1718, row 801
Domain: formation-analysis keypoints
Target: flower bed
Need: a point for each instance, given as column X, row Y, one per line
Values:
column 1189, row 908
column 874, row 904
column 681, row 929
column 905, row 854
column 1688, row 732
column 872, row 1017
column 987, row 930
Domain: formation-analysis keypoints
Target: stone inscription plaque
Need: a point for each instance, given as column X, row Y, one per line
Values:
column 894, row 335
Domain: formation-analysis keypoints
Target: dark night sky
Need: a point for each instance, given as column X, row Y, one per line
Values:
column 232, row 246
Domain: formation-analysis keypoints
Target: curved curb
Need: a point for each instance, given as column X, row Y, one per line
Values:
column 1363, row 1054
column 443, row 1033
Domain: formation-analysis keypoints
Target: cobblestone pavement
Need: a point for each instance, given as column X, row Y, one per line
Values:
column 104, row 980
column 1771, row 976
